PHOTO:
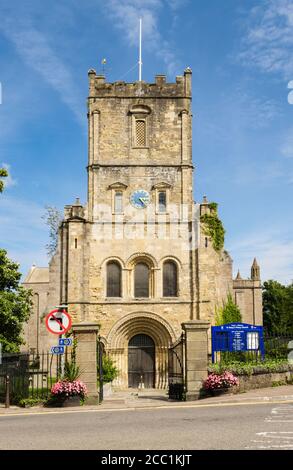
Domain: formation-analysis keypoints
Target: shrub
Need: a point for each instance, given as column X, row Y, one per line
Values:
column 28, row 402
column 71, row 372
column 110, row 371
column 252, row 367
column 228, row 313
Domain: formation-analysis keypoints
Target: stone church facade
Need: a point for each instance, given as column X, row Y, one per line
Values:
column 136, row 258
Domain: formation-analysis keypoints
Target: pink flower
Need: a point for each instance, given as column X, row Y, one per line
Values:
column 216, row 381
column 69, row 389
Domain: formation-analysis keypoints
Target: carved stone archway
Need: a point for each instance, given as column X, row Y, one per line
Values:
column 141, row 323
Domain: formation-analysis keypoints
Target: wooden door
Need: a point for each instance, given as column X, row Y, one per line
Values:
column 141, row 361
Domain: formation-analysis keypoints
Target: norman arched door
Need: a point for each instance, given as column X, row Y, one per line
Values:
column 141, row 361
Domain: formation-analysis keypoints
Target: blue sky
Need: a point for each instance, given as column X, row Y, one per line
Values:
column 241, row 54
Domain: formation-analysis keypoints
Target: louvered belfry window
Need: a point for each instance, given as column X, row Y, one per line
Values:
column 140, row 132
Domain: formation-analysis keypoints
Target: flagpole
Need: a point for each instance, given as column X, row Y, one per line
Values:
column 140, row 61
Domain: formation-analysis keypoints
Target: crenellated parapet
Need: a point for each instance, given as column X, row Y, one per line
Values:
column 99, row 87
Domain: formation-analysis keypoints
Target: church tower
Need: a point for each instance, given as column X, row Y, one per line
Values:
column 137, row 258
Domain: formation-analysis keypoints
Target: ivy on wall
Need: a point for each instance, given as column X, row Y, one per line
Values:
column 213, row 227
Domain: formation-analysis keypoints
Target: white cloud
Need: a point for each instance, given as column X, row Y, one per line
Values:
column 273, row 250
column 268, row 40
column 34, row 49
column 176, row 4
column 126, row 13
column 9, row 181
column 255, row 112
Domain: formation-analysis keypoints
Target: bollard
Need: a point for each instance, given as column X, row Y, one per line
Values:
column 7, row 391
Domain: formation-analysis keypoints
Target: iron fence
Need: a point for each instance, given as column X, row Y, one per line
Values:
column 275, row 345
column 30, row 375
column 176, row 369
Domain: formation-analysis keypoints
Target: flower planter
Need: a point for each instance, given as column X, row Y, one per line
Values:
column 219, row 391
column 219, row 384
column 71, row 401
column 65, row 393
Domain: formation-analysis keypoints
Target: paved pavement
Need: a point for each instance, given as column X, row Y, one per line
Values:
column 259, row 419
column 151, row 398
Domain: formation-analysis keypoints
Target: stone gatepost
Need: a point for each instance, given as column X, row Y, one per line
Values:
column 196, row 356
column 86, row 356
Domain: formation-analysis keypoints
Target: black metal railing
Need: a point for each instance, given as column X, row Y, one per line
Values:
column 29, row 375
column 176, row 369
column 275, row 346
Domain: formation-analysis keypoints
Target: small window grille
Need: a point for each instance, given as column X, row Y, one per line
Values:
column 140, row 128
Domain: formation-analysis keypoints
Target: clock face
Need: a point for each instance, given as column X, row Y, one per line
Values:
column 140, row 198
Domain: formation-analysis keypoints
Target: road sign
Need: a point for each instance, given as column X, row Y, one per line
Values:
column 65, row 342
column 58, row 322
column 57, row 349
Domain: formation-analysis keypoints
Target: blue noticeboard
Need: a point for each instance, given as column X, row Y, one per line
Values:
column 237, row 337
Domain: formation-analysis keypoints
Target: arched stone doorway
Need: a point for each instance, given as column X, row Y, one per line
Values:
column 141, row 362
column 141, row 323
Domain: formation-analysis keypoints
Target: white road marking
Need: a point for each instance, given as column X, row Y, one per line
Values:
column 275, row 439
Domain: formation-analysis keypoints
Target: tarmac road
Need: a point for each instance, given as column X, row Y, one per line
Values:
column 213, row 426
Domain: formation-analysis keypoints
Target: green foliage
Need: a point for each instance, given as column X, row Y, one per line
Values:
column 71, row 371
column 213, row 227
column 278, row 308
column 279, row 383
column 110, row 371
column 228, row 313
column 251, row 367
column 3, row 174
column 213, row 206
column 15, row 304
column 28, row 402
column 53, row 219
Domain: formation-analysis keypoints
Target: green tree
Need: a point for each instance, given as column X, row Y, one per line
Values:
column 278, row 307
column 53, row 219
column 15, row 304
column 3, row 174
column 228, row 313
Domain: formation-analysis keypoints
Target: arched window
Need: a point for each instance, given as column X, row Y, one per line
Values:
column 141, row 280
column 113, row 279
column 170, row 282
